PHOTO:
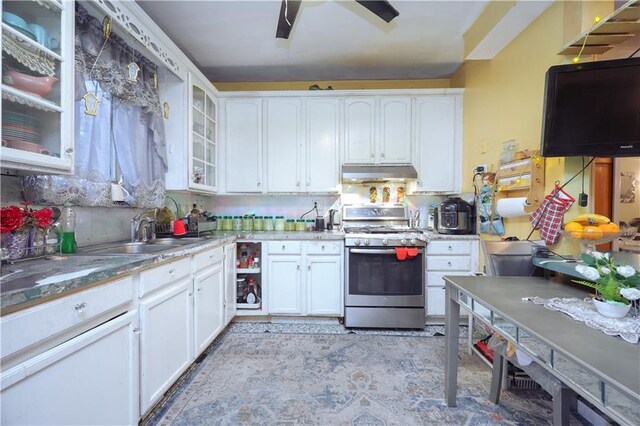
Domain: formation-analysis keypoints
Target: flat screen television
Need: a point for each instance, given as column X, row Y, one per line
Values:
column 592, row 109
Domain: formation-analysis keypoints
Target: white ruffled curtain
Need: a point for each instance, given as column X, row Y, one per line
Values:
column 129, row 119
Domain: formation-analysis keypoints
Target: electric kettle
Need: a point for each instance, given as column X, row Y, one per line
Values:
column 331, row 223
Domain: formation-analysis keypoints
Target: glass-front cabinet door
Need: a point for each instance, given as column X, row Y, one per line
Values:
column 203, row 162
column 37, row 83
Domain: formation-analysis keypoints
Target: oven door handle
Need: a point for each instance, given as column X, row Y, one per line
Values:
column 378, row 251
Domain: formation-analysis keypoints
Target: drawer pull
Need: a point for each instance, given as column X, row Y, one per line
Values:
column 449, row 263
column 322, row 247
column 308, row 267
column 172, row 271
column 298, row 267
column 282, row 247
column 80, row 307
column 450, row 248
column 211, row 257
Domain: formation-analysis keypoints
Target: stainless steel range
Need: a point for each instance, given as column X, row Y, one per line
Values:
column 384, row 268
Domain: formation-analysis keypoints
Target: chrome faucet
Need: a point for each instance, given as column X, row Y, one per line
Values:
column 143, row 228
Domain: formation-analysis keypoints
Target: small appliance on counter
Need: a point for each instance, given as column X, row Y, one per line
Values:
column 454, row 216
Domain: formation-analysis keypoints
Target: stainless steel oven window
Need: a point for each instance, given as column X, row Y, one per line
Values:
column 378, row 272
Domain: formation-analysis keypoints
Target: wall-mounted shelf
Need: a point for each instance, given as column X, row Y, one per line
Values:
column 622, row 25
column 526, row 174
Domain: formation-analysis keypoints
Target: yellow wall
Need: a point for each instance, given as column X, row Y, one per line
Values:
column 503, row 100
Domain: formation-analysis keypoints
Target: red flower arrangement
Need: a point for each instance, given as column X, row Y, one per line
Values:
column 14, row 218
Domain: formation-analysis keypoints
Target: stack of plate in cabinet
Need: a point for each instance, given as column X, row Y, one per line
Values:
column 19, row 128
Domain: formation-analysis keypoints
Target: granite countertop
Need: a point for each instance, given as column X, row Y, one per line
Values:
column 24, row 284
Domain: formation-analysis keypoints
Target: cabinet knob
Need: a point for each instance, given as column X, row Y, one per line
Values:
column 298, row 267
column 172, row 271
column 136, row 330
column 308, row 267
column 282, row 247
column 382, row 155
column 322, row 247
column 450, row 248
column 298, row 184
column 449, row 263
column 258, row 183
column 68, row 150
column 80, row 307
column 372, row 155
column 199, row 288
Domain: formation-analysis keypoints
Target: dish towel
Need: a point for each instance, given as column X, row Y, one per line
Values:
column 549, row 216
column 401, row 253
column 412, row 252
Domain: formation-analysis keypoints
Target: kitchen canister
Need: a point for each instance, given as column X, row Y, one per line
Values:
column 300, row 226
column 258, row 223
column 289, row 225
column 237, row 223
column 308, row 225
column 247, row 223
column 267, row 223
column 279, row 223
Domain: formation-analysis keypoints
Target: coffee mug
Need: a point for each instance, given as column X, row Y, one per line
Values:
column 118, row 193
column 42, row 36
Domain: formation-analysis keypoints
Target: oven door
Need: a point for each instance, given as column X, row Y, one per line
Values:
column 375, row 277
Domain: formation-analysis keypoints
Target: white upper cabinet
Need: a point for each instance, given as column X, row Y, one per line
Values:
column 284, row 143
column 322, row 156
column 377, row 130
column 243, row 145
column 37, row 123
column 438, row 142
column 359, row 131
column 203, row 137
column 395, row 130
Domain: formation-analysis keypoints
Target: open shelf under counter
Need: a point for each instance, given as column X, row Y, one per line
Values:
column 248, row 270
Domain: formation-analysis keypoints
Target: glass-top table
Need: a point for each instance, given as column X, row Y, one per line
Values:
column 604, row 370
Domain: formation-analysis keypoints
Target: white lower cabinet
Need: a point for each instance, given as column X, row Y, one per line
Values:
column 90, row 379
column 316, row 292
column 324, row 285
column 230, row 301
column 285, row 284
column 208, row 304
column 166, row 330
column 447, row 257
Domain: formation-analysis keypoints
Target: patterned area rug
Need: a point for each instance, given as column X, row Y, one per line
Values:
column 267, row 378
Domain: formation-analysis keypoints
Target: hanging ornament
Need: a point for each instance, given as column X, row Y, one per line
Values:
column 165, row 109
column 133, row 70
column 106, row 27
column 91, row 102
column 155, row 80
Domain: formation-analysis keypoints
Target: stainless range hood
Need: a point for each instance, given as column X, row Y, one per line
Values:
column 378, row 173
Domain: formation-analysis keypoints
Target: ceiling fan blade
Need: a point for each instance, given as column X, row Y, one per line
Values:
column 382, row 9
column 288, row 12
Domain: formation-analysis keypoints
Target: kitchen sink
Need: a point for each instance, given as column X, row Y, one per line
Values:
column 148, row 247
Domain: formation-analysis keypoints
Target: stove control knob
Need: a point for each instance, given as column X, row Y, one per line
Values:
column 356, row 242
column 413, row 242
column 367, row 242
column 403, row 242
column 385, row 242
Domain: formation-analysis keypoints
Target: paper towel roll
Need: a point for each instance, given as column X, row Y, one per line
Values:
column 511, row 207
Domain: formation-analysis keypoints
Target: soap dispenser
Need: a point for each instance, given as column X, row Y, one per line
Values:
column 68, row 223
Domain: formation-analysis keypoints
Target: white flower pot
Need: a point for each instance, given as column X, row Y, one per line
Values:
column 611, row 309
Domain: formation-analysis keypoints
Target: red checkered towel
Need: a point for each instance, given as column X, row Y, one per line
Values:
column 549, row 216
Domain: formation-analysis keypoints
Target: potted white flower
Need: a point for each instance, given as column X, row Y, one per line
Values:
column 616, row 286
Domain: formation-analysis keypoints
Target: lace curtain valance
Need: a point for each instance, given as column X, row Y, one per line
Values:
column 128, row 122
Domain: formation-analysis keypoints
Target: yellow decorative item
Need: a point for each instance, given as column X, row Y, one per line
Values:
column 133, row 70
column 106, row 27
column 591, row 219
column 155, row 80
column 165, row 110
column 91, row 103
